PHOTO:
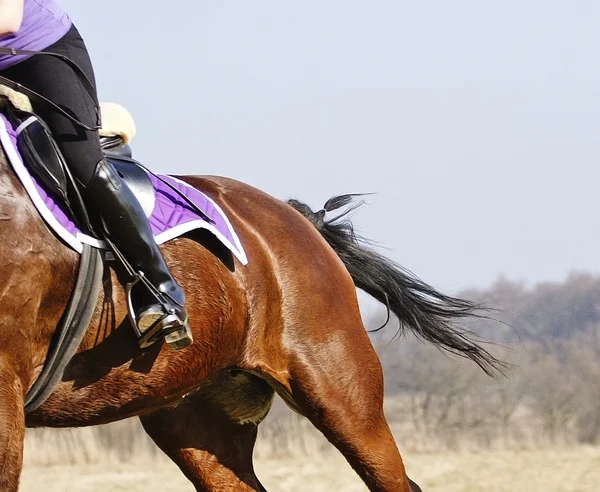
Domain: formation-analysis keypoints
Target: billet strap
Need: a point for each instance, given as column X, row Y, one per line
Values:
column 38, row 97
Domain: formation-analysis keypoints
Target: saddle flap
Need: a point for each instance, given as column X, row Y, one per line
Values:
column 38, row 148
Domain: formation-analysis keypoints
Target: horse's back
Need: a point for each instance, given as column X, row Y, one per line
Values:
column 269, row 227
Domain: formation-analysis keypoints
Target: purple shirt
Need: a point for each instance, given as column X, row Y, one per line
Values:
column 44, row 23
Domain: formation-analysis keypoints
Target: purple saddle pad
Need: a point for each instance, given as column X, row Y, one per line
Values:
column 170, row 217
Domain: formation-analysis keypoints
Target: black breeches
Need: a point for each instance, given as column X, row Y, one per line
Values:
column 55, row 80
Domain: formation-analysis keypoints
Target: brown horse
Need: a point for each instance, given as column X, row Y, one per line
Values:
column 286, row 323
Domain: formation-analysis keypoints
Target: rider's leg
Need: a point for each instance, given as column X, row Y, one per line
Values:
column 106, row 195
column 125, row 224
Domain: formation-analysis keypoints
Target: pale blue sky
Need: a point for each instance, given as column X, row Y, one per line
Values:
column 476, row 123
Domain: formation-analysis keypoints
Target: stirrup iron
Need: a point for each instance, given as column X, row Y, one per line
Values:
column 165, row 323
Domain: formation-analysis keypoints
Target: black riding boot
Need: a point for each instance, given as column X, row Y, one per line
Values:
column 125, row 224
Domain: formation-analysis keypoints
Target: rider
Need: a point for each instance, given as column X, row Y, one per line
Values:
column 41, row 25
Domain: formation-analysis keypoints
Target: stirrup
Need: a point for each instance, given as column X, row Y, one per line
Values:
column 154, row 323
column 157, row 322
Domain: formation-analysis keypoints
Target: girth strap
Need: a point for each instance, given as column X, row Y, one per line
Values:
column 73, row 326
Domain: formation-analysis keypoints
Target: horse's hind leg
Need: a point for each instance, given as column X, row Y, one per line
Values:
column 336, row 381
column 208, row 437
column 12, row 428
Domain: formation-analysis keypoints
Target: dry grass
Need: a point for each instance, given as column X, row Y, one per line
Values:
column 292, row 456
column 566, row 470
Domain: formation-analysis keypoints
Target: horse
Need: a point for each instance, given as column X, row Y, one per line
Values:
column 286, row 323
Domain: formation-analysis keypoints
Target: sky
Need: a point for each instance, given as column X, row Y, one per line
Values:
column 476, row 125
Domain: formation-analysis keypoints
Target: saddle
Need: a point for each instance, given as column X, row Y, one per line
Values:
column 41, row 168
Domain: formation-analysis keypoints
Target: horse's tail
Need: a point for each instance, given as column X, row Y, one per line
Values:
column 429, row 313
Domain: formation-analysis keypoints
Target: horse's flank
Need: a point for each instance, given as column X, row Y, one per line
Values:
column 110, row 378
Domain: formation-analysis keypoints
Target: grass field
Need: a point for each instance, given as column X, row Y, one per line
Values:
column 565, row 470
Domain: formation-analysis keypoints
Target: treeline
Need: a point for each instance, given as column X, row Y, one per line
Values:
column 549, row 333
column 547, row 311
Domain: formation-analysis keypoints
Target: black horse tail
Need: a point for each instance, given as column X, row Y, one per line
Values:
column 427, row 312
